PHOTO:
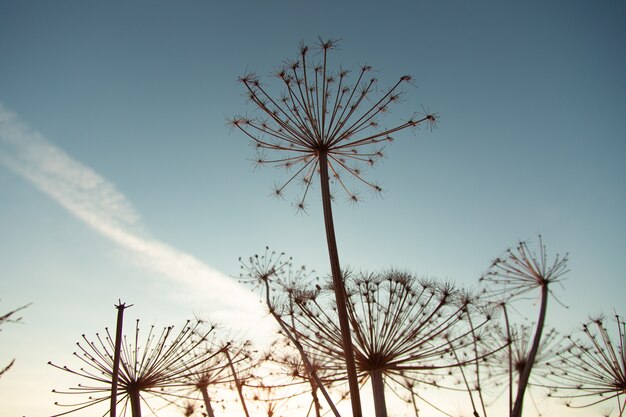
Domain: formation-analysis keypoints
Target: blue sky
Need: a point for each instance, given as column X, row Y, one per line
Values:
column 119, row 177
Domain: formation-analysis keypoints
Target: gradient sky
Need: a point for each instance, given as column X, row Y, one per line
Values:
column 119, row 178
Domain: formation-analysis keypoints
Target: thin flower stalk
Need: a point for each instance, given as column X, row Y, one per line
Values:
column 238, row 383
column 119, row 328
column 324, row 123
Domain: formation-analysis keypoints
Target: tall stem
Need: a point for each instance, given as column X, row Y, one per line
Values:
column 237, row 383
column 207, row 400
column 339, row 288
column 116, row 357
column 378, row 389
column 530, row 360
column 135, row 402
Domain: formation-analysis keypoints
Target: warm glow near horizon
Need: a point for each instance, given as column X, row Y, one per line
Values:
column 127, row 172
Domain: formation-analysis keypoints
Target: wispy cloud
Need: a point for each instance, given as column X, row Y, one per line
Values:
column 94, row 200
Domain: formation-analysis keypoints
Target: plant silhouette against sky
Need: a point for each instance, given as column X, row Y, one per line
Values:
column 403, row 329
column 328, row 122
column 272, row 269
column 519, row 271
column 592, row 369
column 158, row 366
column 506, row 366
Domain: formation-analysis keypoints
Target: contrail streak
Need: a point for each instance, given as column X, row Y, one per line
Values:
column 94, row 200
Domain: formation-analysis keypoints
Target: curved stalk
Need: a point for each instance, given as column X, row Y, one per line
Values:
column 237, row 383
column 525, row 376
column 338, row 286
column 305, row 359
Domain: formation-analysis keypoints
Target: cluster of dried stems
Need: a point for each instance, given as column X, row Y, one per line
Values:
column 406, row 331
column 401, row 333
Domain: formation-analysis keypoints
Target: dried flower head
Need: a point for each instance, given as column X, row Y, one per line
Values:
column 260, row 269
column 404, row 329
column 153, row 368
column 323, row 114
column 594, row 370
column 521, row 270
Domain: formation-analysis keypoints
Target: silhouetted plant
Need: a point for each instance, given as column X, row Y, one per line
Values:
column 519, row 271
column 156, row 367
column 507, row 365
column 593, row 370
column 276, row 269
column 216, row 372
column 322, row 121
column 403, row 329
column 288, row 370
column 10, row 318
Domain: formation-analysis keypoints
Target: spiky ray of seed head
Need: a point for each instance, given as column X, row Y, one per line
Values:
column 156, row 367
column 323, row 110
column 592, row 368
